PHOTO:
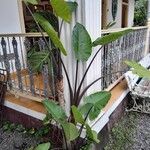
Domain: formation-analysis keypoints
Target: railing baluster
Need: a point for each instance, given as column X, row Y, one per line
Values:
column 45, row 69
column 6, row 61
column 31, row 78
column 17, row 63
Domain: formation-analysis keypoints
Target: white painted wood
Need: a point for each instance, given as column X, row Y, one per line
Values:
column 89, row 14
column 131, row 78
column 25, row 110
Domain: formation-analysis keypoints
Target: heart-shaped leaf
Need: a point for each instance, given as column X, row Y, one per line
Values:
column 94, row 104
column 37, row 60
column 99, row 99
column 50, row 31
column 81, row 43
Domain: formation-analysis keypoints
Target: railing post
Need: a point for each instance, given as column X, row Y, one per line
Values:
column 6, row 60
column 27, row 45
column 17, row 63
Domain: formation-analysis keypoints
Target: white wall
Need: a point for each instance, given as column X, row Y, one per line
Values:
column 131, row 13
column 88, row 13
column 119, row 13
column 9, row 17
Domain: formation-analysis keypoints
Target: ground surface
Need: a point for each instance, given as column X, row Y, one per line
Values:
column 15, row 140
column 132, row 132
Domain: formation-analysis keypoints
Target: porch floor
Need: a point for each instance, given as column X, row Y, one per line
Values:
column 38, row 106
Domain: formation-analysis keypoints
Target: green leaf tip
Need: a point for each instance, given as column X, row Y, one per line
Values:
column 50, row 31
column 110, row 38
column 62, row 9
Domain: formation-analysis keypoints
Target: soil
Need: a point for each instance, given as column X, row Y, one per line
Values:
column 132, row 132
column 141, row 136
column 16, row 140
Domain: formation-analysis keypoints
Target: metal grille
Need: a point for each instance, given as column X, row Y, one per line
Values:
column 129, row 47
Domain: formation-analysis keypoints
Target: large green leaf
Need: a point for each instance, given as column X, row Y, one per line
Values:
column 84, row 109
column 72, row 6
column 77, row 115
column 99, row 99
column 138, row 69
column 91, row 134
column 44, row 146
column 55, row 110
column 94, row 104
column 81, row 43
column 37, row 60
column 110, row 38
column 61, row 9
column 33, row 2
column 71, row 131
column 50, row 31
column 95, row 111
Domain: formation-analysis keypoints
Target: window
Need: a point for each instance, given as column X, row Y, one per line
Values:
column 30, row 25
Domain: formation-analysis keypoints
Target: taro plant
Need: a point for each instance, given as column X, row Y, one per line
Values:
column 76, row 132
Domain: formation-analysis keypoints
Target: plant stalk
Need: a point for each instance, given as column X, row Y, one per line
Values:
column 83, row 78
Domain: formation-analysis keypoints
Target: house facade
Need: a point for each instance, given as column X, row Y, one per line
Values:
column 119, row 11
column 28, row 88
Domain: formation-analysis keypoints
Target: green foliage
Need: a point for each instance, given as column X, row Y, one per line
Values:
column 95, row 102
column 81, row 42
column 55, row 110
column 91, row 134
column 38, row 59
column 138, row 69
column 8, row 126
column 111, row 37
column 82, row 46
column 122, row 132
column 44, row 146
column 61, row 9
column 50, row 31
column 70, row 130
column 34, row 2
column 77, row 115
column 140, row 12
column 72, row 6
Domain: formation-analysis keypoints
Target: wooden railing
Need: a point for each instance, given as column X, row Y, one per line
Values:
column 128, row 47
column 21, row 79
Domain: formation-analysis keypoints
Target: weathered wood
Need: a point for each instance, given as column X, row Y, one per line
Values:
column 17, row 63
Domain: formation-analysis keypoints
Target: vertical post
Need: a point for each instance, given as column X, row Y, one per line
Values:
column 17, row 63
